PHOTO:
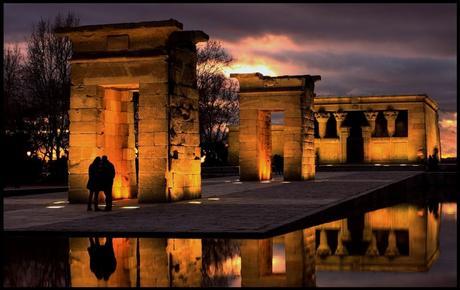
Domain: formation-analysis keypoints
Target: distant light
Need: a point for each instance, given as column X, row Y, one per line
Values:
column 55, row 206
column 60, row 202
column 228, row 181
column 415, row 165
column 29, row 153
column 130, row 207
column 377, row 164
column 265, row 181
column 403, row 164
column 213, row 198
column 386, row 165
column 195, row 202
column 286, row 182
column 203, row 158
column 329, row 164
column 449, row 208
column 237, row 182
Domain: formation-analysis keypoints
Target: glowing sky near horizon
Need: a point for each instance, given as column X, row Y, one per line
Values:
column 358, row 49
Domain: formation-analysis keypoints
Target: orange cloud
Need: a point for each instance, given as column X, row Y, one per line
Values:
column 448, row 132
column 248, row 58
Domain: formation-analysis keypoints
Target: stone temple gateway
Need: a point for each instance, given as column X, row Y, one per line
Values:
column 259, row 96
column 146, row 69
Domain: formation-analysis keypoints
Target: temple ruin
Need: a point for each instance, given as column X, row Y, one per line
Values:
column 365, row 129
column 128, row 78
column 259, row 96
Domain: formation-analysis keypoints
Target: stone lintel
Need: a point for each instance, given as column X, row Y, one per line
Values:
column 390, row 99
column 179, row 38
column 257, row 82
column 93, row 55
column 118, row 26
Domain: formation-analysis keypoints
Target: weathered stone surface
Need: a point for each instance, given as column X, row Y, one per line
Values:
column 422, row 136
column 259, row 96
column 109, row 63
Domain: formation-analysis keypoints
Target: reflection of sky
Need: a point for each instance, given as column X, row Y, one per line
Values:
column 443, row 272
column 279, row 258
column 449, row 211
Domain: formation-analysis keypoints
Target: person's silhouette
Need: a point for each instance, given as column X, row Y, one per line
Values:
column 102, row 258
column 94, row 182
column 107, row 181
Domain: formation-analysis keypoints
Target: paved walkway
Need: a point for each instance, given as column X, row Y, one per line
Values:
column 228, row 207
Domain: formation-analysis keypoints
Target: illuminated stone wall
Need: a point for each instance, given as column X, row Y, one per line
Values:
column 291, row 94
column 233, row 145
column 422, row 129
column 109, row 63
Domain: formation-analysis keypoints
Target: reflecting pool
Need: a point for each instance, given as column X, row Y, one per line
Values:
column 412, row 243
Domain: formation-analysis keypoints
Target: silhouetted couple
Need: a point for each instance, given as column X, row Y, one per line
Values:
column 102, row 261
column 433, row 161
column 101, row 175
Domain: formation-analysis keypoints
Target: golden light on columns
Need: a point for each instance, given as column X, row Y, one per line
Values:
column 339, row 118
column 391, row 121
column 371, row 117
column 322, row 118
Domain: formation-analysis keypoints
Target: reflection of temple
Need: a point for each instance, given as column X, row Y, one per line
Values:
column 399, row 238
column 286, row 260
column 263, row 265
column 141, row 262
column 364, row 129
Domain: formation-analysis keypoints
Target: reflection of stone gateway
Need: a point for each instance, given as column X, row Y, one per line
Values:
column 157, row 60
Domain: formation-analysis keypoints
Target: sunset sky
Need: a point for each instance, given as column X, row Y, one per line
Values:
column 358, row 49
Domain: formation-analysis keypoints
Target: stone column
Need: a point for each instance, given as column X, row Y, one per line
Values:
column 344, row 133
column 371, row 117
column 372, row 250
column 366, row 133
column 391, row 119
column 341, row 249
column 322, row 118
column 339, row 118
column 86, row 138
column 323, row 249
column 392, row 249
column 153, row 142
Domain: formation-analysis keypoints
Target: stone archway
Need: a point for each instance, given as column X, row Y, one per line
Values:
column 259, row 96
column 158, row 60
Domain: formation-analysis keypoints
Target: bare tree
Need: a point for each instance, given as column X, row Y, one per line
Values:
column 218, row 104
column 12, row 87
column 47, row 75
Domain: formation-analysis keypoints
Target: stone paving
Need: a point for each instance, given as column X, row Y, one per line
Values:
column 227, row 207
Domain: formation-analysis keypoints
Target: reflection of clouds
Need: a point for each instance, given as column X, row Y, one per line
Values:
column 279, row 258
column 448, row 132
column 449, row 211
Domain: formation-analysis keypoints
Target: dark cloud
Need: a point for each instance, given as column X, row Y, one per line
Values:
column 427, row 27
column 395, row 48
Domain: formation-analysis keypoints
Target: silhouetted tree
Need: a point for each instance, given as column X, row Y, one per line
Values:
column 218, row 104
column 12, row 87
column 47, row 79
